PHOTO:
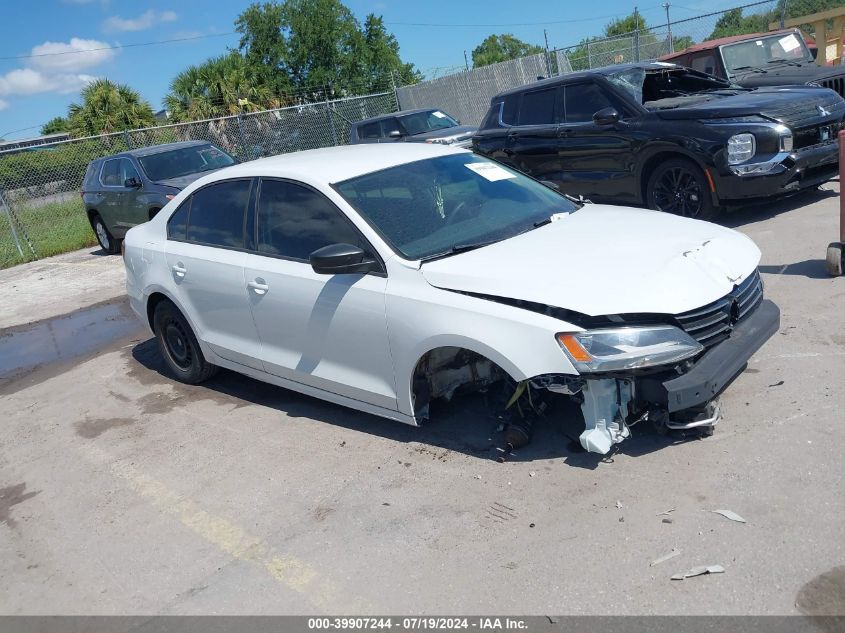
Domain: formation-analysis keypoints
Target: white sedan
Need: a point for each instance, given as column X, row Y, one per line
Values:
column 382, row 277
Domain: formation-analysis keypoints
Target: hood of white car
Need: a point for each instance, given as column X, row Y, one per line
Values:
column 603, row 260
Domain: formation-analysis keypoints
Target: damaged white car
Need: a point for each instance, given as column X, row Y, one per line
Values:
column 383, row 277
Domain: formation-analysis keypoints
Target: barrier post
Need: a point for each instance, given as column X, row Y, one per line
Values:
column 835, row 261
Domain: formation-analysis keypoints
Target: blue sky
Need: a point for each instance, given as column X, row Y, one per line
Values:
column 35, row 89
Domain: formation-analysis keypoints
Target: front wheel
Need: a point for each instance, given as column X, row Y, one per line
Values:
column 178, row 345
column 678, row 186
column 104, row 236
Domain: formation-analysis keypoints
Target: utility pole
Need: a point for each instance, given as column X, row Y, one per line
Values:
column 783, row 12
column 637, row 34
column 548, row 56
column 669, row 28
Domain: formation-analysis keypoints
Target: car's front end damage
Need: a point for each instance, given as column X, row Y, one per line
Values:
column 701, row 354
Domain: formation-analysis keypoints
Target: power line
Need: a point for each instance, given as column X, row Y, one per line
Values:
column 117, row 46
column 510, row 24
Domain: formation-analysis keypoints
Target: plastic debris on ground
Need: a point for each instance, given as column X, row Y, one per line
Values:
column 729, row 514
column 665, row 557
column 699, row 571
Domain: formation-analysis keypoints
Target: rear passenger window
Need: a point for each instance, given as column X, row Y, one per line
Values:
column 538, row 108
column 177, row 225
column 370, row 130
column 294, row 221
column 217, row 214
column 510, row 108
column 110, row 176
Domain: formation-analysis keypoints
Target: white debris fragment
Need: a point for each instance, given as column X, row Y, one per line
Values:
column 618, row 504
column 700, row 571
column 665, row 557
column 665, row 512
column 729, row 514
column 531, row 474
column 478, row 476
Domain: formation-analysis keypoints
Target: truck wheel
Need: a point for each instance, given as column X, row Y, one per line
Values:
column 104, row 237
column 178, row 345
column 678, row 186
column 834, row 259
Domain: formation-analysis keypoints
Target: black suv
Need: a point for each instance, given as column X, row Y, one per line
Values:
column 129, row 188
column 665, row 136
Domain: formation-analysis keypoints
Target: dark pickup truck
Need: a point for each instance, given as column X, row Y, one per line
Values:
column 665, row 136
column 779, row 58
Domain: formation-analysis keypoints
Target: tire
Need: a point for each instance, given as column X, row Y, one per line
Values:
column 678, row 186
column 179, row 347
column 106, row 240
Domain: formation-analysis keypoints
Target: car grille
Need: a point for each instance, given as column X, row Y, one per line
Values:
column 713, row 323
column 816, row 135
column 837, row 84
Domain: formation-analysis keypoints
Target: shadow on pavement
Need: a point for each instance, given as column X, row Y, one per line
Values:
column 810, row 268
column 764, row 210
column 466, row 425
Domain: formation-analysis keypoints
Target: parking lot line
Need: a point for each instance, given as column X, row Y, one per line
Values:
column 295, row 574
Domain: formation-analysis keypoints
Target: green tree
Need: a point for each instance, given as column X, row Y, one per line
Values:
column 108, row 107
column 501, row 48
column 220, row 86
column 735, row 22
column 55, row 125
column 383, row 63
column 264, row 46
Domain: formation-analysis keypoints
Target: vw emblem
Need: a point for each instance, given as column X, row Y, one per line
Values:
column 822, row 111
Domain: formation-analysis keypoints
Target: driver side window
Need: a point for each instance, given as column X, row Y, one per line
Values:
column 294, row 221
column 582, row 101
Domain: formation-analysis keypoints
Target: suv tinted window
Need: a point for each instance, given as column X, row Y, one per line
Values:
column 583, row 101
column 110, row 176
column 177, row 225
column 294, row 221
column 217, row 214
column 370, row 130
column 538, row 107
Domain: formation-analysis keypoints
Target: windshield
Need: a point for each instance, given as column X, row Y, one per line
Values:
column 670, row 87
column 423, row 122
column 438, row 206
column 758, row 52
column 181, row 162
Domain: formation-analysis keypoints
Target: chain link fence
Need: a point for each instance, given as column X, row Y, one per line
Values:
column 41, row 211
column 652, row 42
column 466, row 95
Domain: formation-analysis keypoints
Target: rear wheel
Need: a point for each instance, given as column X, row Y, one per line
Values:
column 104, row 236
column 678, row 186
column 178, row 345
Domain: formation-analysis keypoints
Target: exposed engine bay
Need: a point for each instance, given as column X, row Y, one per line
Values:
column 609, row 406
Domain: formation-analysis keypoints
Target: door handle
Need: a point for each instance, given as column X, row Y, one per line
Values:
column 179, row 269
column 259, row 286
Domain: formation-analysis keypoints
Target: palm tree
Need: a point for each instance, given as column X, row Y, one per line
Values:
column 221, row 86
column 108, row 107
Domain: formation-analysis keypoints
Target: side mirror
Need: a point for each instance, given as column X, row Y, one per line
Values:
column 606, row 116
column 132, row 183
column 340, row 259
column 394, row 134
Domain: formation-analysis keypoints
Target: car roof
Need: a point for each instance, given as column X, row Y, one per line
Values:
column 140, row 152
column 334, row 164
column 391, row 115
column 710, row 44
column 583, row 74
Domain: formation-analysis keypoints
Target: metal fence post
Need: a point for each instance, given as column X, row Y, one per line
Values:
column 11, row 224
column 589, row 56
column 127, row 139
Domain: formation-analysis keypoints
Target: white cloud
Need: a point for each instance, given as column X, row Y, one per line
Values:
column 146, row 20
column 3, row 104
column 70, row 56
column 26, row 81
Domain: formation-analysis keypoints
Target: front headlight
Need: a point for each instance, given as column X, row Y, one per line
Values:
column 628, row 347
column 741, row 147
